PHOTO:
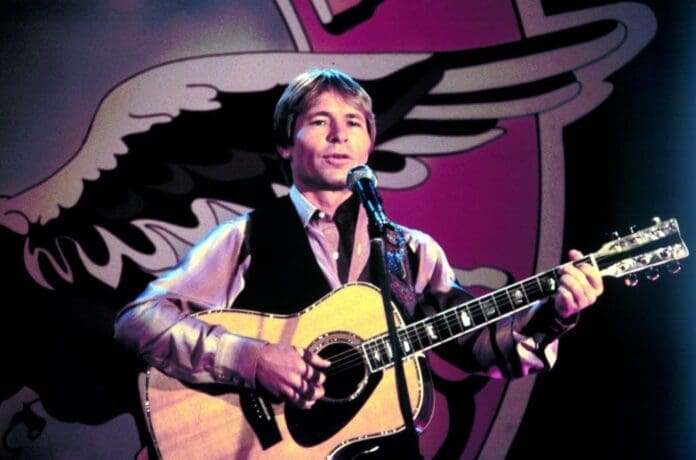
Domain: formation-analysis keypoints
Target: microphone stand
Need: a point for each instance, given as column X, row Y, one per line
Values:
column 377, row 233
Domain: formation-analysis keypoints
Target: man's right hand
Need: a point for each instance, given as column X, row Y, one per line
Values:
column 292, row 374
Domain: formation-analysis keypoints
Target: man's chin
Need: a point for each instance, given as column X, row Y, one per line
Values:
column 336, row 182
column 338, row 188
column 326, row 186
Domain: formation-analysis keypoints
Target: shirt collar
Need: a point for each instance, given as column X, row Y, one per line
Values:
column 304, row 208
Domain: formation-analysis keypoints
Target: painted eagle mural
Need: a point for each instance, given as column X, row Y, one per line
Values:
column 469, row 148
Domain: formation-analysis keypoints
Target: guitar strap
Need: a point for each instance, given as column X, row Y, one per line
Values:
column 400, row 284
column 399, row 264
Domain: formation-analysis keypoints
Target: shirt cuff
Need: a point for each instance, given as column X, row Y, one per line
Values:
column 545, row 324
column 236, row 360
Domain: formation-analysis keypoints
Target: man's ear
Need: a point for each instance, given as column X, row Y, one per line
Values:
column 284, row 153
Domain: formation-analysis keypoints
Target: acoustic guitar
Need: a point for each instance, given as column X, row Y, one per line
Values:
column 348, row 327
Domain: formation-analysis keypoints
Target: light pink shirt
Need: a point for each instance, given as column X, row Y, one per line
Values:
column 158, row 326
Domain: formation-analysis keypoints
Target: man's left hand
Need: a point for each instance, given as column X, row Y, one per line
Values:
column 581, row 284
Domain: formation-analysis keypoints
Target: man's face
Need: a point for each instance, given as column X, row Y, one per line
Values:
column 330, row 138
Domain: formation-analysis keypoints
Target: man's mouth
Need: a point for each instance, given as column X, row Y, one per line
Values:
column 338, row 158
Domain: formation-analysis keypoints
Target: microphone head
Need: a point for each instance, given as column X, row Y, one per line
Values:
column 360, row 172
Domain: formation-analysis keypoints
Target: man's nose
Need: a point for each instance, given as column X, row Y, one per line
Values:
column 338, row 133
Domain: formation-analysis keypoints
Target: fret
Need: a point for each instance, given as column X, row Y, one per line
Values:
column 476, row 314
column 479, row 315
column 505, row 304
column 447, row 324
column 478, row 310
column 538, row 282
column 454, row 322
column 548, row 283
column 501, row 299
column 367, row 351
column 417, row 334
column 496, row 307
column 536, row 288
column 405, row 342
column 430, row 332
column 524, row 287
column 517, row 296
column 507, row 296
column 460, row 320
column 388, row 351
column 377, row 354
column 464, row 317
column 489, row 307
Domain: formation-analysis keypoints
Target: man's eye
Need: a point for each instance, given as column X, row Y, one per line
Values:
column 354, row 123
column 318, row 122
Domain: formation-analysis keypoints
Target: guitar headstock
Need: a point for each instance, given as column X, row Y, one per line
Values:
column 643, row 250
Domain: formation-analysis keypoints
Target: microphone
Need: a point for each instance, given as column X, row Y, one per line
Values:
column 362, row 180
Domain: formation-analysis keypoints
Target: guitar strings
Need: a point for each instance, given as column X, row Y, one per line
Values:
column 447, row 323
column 350, row 359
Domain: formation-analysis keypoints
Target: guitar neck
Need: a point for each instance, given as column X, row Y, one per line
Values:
column 462, row 319
column 645, row 249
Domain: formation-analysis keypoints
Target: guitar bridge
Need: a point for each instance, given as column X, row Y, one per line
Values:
column 261, row 418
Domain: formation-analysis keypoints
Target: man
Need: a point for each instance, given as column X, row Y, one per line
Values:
column 285, row 256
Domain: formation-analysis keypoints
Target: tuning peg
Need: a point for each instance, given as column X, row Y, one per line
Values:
column 614, row 235
column 653, row 274
column 673, row 267
column 632, row 229
column 631, row 280
column 656, row 220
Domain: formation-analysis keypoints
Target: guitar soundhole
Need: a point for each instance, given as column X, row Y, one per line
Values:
column 347, row 375
column 348, row 386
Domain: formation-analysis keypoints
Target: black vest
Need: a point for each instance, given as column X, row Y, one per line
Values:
column 284, row 276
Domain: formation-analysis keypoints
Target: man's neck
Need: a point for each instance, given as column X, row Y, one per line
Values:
column 326, row 200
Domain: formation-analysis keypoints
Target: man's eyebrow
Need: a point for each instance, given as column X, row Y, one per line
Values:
column 317, row 113
column 326, row 113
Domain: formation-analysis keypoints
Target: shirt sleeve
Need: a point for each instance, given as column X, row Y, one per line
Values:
column 511, row 347
column 158, row 325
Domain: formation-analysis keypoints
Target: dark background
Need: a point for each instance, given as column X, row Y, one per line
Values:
column 624, row 383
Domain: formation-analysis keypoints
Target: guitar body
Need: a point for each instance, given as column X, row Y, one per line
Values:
column 360, row 407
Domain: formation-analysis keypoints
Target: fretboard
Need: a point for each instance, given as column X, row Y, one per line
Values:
column 645, row 249
column 459, row 320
